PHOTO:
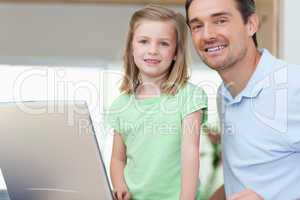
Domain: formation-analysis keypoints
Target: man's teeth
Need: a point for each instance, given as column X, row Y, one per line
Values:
column 215, row 48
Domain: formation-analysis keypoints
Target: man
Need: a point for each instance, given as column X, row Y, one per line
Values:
column 260, row 102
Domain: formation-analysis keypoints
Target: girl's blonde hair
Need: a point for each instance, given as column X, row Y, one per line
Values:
column 178, row 74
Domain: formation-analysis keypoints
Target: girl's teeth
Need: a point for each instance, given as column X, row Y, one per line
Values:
column 152, row 61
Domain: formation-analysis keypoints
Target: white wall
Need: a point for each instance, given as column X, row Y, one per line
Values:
column 74, row 33
column 65, row 34
column 63, row 30
column 290, row 31
column 88, row 34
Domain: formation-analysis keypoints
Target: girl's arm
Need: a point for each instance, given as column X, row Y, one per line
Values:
column 190, row 155
column 219, row 194
column 117, row 165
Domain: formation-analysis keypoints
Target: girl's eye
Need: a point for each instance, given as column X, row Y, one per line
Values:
column 143, row 41
column 165, row 44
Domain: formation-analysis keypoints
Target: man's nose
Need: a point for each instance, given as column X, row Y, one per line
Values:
column 209, row 32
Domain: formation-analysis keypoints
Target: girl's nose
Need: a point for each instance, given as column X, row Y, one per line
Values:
column 153, row 49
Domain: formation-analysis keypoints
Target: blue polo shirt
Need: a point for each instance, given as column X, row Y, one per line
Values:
column 261, row 132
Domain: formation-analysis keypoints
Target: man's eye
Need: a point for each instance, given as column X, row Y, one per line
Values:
column 196, row 27
column 221, row 21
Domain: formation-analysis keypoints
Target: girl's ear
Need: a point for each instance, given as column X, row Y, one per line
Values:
column 253, row 24
column 175, row 58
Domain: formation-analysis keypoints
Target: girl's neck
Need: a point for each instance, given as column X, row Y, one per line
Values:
column 149, row 87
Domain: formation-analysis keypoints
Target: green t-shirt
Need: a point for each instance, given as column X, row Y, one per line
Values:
column 151, row 130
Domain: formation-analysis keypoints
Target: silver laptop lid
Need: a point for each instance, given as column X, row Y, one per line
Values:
column 48, row 151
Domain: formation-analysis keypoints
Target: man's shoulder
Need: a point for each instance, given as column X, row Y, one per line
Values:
column 284, row 72
column 294, row 69
column 288, row 73
column 285, row 77
column 293, row 82
column 278, row 64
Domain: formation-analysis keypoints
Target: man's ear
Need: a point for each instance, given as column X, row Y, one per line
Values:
column 253, row 24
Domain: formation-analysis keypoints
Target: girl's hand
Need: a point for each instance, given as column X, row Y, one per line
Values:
column 247, row 194
column 117, row 165
column 121, row 194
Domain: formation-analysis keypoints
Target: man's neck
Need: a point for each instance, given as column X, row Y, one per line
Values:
column 237, row 76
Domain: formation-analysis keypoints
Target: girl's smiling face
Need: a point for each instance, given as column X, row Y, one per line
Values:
column 154, row 48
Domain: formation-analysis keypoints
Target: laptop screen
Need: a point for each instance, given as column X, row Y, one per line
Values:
column 49, row 151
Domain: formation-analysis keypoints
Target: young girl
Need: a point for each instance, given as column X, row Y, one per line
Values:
column 157, row 118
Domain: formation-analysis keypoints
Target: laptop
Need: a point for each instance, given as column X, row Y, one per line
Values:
column 49, row 151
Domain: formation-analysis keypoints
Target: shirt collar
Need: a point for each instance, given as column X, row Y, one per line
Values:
column 257, row 81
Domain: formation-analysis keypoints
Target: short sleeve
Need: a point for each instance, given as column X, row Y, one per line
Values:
column 112, row 116
column 112, row 120
column 195, row 99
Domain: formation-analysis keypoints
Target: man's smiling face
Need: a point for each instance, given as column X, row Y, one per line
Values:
column 219, row 34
